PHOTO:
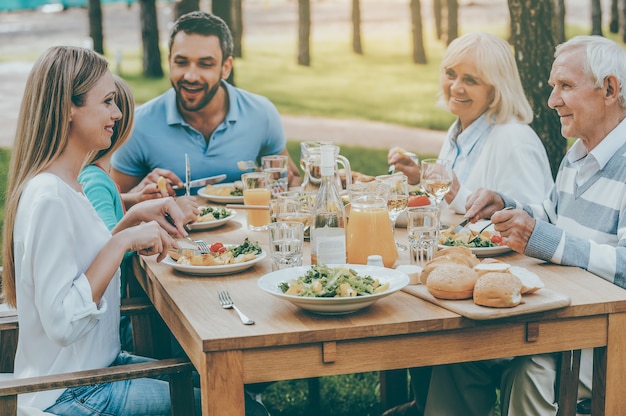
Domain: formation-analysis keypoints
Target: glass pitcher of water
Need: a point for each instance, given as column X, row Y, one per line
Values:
column 310, row 159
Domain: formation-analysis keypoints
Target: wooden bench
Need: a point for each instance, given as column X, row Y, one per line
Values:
column 178, row 369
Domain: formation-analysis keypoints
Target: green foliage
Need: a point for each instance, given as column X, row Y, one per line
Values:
column 351, row 394
column 5, row 157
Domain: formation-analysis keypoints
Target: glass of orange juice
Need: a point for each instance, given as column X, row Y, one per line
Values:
column 256, row 192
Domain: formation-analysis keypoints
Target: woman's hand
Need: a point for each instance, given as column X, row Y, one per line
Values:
column 164, row 211
column 482, row 204
column 405, row 164
column 189, row 207
column 149, row 239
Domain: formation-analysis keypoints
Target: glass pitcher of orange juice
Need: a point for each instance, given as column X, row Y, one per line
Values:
column 369, row 228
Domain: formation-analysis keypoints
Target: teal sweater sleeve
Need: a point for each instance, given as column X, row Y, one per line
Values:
column 103, row 194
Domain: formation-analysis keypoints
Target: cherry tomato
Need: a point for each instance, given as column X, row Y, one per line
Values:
column 217, row 248
column 496, row 239
column 418, row 200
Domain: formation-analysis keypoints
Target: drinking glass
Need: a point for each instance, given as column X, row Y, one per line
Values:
column 276, row 168
column 423, row 230
column 397, row 198
column 295, row 205
column 256, row 192
column 436, row 178
column 286, row 244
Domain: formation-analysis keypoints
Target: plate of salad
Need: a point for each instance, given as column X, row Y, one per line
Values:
column 489, row 243
column 333, row 289
column 211, row 217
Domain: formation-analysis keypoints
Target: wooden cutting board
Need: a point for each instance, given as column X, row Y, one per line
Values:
column 542, row 300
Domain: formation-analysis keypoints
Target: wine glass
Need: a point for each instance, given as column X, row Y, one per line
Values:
column 397, row 199
column 436, row 178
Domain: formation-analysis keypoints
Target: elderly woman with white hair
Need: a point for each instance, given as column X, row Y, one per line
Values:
column 491, row 144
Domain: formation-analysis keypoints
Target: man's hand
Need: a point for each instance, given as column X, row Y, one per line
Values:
column 482, row 204
column 515, row 227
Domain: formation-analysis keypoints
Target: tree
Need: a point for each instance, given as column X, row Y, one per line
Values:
column 150, row 39
column 223, row 9
column 304, row 32
column 95, row 25
column 453, row 20
column 614, row 24
column 533, row 41
column 237, row 27
column 419, row 53
column 596, row 17
column 437, row 12
column 558, row 21
column 182, row 7
column 356, row 27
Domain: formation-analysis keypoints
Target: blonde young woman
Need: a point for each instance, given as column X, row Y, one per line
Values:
column 61, row 263
column 491, row 144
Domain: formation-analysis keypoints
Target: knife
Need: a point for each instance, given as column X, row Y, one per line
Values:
column 187, row 175
column 204, row 181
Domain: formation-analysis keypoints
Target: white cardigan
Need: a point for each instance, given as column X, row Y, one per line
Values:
column 513, row 161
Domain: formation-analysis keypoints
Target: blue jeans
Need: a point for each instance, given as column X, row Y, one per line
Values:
column 137, row 397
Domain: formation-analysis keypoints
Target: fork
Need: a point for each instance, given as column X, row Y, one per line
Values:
column 227, row 303
column 477, row 237
column 204, row 248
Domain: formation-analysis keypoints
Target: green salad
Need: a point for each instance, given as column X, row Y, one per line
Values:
column 328, row 282
column 213, row 213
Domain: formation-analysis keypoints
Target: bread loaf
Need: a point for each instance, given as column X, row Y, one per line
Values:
column 530, row 281
column 452, row 281
column 498, row 290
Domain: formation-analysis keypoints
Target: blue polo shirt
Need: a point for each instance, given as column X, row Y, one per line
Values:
column 251, row 129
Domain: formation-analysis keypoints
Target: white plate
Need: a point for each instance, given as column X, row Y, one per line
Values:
column 214, row 270
column 208, row 225
column 334, row 306
column 485, row 251
column 221, row 199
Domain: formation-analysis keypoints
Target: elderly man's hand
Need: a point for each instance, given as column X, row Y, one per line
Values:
column 482, row 204
column 515, row 227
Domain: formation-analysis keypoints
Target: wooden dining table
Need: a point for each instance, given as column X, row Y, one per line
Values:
column 398, row 331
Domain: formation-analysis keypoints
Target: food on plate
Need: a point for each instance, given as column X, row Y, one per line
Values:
column 498, row 290
column 357, row 177
column 467, row 238
column 162, row 185
column 208, row 214
column 418, row 200
column 224, row 190
column 412, row 271
column 452, row 281
column 325, row 281
column 219, row 254
column 530, row 281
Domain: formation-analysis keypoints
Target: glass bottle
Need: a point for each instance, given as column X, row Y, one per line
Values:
column 328, row 217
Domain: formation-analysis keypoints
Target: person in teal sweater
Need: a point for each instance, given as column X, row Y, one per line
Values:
column 105, row 196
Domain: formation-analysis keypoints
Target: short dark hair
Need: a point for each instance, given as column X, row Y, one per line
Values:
column 206, row 24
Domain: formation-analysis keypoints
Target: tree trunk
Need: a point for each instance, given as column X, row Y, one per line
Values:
column 453, row 20
column 596, row 17
column 223, row 9
column 182, row 7
column 534, row 43
column 150, row 39
column 419, row 53
column 95, row 26
column 558, row 21
column 438, row 18
column 237, row 28
column 614, row 24
column 304, row 32
column 623, row 21
column 356, row 27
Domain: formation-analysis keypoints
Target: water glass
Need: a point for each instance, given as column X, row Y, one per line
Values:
column 256, row 192
column 423, row 230
column 286, row 244
column 276, row 168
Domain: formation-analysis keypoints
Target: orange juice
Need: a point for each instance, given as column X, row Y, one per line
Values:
column 257, row 218
column 369, row 232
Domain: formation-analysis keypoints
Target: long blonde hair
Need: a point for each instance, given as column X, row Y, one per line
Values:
column 496, row 66
column 62, row 76
column 123, row 127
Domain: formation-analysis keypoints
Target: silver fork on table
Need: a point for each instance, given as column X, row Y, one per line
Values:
column 227, row 303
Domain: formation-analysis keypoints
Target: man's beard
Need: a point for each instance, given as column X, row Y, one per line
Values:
column 203, row 102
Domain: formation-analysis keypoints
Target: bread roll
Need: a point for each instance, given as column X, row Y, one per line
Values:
column 498, row 290
column 433, row 264
column 452, row 281
column 482, row 268
column 412, row 271
column 530, row 281
column 458, row 252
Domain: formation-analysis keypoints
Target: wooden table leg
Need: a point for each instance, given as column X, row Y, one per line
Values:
column 609, row 370
column 221, row 381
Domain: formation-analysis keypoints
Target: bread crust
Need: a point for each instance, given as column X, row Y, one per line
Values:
column 452, row 281
column 498, row 290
